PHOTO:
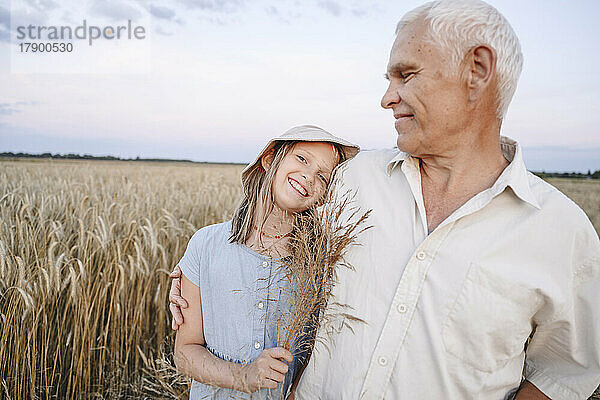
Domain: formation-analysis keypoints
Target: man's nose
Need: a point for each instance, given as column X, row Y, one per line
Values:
column 390, row 97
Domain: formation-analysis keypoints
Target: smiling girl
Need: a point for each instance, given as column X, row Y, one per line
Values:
column 232, row 275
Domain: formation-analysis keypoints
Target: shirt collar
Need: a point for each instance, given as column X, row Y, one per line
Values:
column 514, row 175
column 401, row 156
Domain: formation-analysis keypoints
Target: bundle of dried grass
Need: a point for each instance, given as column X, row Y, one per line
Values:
column 318, row 247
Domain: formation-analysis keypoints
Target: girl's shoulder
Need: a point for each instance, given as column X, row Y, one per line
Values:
column 215, row 234
column 206, row 245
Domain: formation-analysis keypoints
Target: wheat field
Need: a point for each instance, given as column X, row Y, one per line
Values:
column 86, row 248
column 85, row 252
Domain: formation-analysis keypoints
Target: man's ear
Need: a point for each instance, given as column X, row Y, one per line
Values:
column 267, row 159
column 482, row 70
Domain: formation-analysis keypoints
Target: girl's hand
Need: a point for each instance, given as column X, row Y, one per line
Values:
column 175, row 299
column 267, row 371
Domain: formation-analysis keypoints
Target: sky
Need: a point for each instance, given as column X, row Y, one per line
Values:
column 212, row 80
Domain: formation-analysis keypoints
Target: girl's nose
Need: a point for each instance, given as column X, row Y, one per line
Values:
column 308, row 177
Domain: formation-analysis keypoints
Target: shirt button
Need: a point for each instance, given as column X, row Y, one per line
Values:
column 402, row 308
column 261, row 305
column 257, row 345
column 265, row 264
column 382, row 361
column 421, row 255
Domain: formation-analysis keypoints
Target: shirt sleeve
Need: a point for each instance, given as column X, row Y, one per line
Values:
column 191, row 261
column 563, row 357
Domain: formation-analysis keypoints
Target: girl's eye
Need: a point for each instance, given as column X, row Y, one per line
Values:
column 301, row 158
column 323, row 179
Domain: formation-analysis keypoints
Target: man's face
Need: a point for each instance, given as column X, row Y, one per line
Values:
column 425, row 94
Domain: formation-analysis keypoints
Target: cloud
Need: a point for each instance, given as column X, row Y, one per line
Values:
column 161, row 31
column 218, row 12
column 272, row 10
column 4, row 25
column 27, row 103
column 221, row 6
column 331, row 6
column 162, row 12
column 15, row 107
column 42, row 5
column 4, row 18
column 291, row 12
column 116, row 11
column 34, row 12
column 358, row 12
column 27, row 16
column 284, row 14
column 8, row 109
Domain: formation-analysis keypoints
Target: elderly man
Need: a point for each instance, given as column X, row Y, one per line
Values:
column 470, row 255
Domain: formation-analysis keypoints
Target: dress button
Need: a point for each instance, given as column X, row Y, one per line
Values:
column 257, row 345
column 265, row 264
column 421, row 255
column 382, row 361
column 261, row 305
column 402, row 308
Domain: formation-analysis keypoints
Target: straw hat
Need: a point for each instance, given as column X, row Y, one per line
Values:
column 303, row 133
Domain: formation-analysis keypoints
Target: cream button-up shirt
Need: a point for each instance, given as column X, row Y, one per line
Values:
column 447, row 314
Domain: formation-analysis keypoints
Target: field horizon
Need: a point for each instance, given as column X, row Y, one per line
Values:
column 47, row 156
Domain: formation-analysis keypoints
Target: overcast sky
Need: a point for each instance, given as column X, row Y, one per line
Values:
column 213, row 79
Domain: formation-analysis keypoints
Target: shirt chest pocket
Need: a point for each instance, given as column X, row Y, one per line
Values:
column 490, row 320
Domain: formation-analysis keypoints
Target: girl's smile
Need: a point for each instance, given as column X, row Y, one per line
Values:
column 298, row 187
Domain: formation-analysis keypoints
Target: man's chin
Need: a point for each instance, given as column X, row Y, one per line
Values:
column 404, row 143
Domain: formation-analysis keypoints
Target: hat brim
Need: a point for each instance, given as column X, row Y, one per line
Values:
column 303, row 133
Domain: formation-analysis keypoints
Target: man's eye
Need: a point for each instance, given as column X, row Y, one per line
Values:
column 406, row 77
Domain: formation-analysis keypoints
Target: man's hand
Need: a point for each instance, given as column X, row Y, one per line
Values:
column 267, row 371
column 175, row 299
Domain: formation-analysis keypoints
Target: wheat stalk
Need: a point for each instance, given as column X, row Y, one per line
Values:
column 321, row 239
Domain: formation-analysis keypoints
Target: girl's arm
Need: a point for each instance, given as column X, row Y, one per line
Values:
column 193, row 359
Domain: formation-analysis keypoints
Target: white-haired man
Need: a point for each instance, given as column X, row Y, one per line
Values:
column 470, row 255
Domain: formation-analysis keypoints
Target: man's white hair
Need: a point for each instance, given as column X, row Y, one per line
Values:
column 456, row 26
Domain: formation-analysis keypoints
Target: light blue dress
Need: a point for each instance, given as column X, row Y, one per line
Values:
column 242, row 294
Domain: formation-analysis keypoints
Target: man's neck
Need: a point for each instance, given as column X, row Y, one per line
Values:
column 448, row 181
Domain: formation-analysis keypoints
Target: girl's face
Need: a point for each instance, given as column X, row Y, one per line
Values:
column 303, row 175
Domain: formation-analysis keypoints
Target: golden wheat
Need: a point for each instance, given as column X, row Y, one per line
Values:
column 586, row 193
column 85, row 248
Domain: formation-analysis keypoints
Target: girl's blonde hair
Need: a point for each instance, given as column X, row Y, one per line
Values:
column 257, row 184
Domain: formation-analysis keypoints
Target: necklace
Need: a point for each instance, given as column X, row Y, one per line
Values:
column 272, row 236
